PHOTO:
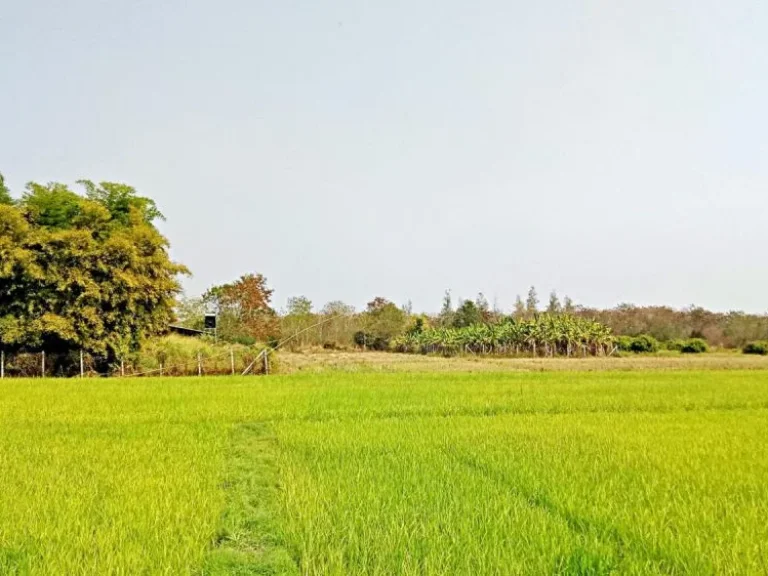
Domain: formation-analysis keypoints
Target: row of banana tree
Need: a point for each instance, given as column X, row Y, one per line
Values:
column 544, row 335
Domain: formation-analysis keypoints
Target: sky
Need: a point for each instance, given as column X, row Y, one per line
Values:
column 346, row 149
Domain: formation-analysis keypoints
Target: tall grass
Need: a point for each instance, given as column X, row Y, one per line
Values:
column 183, row 356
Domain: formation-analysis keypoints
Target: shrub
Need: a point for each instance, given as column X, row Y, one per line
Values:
column 759, row 347
column 637, row 344
column 371, row 341
column 624, row 343
column 676, row 345
column 694, row 346
column 644, row 343
column 243, row 339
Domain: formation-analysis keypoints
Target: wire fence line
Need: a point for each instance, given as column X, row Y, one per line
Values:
column 230, row 361
column 41, row 365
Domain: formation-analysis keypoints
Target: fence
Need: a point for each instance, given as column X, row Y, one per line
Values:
column 167, row 356
column 232, row 361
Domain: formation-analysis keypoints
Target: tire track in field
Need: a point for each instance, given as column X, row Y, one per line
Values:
column 248, row 539
column 624, row 544
column 502, row 410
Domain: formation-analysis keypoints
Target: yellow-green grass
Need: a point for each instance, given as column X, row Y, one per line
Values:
column 527, row 473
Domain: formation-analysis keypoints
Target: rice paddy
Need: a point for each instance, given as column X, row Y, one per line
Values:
column 367, row 473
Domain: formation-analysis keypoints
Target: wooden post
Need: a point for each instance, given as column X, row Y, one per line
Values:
column 266, row 362
column 161, row 368
column 199, row 365
column 43, row 363
column 232, row 360
column 2, row 364
column 122, row 367
column 82, row 365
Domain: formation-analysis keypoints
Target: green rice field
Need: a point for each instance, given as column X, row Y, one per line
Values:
column 644, row 472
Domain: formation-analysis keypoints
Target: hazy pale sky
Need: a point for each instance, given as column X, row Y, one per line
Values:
column 613, row 151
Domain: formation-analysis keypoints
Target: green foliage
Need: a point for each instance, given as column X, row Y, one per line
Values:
column 467, row 314
column 417, row 324
column 554, row 306
column 759, row 347
column 122, row 202
column 675, row 345
column 244, row 309
column 51, row 206
column 544, row 334
column 694, row 346
column 624, row 343
column 382, row 322
column 5, row 194
column 688, row 346
column 370, row 341
column 638, row 344
column 72, row 279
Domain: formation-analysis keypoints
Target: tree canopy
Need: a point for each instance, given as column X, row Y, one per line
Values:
column 85, row 273
column 244, row 309
column 5, row 194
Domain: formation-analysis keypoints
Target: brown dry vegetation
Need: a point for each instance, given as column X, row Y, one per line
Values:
column 317, row 360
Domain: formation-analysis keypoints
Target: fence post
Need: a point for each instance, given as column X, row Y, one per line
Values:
column 232, row 360
column 266, row 363
column 2, row 364
column 122, row 367
column 199, row 365
column 161, row 368
column 43, row 363
column 82, row 366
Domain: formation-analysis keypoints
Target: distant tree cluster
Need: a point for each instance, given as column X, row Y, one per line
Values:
column 543, row 335
column 382, row 325
column 728, row 330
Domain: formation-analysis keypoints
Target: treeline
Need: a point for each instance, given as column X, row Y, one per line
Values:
column 86, row 283
column 732, row 329
column 475, row 326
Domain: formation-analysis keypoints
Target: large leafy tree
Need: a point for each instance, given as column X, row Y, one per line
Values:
column 467, row 314
column 244, row 309
column 83, row 273
column 382, row 321
column 5, row 194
